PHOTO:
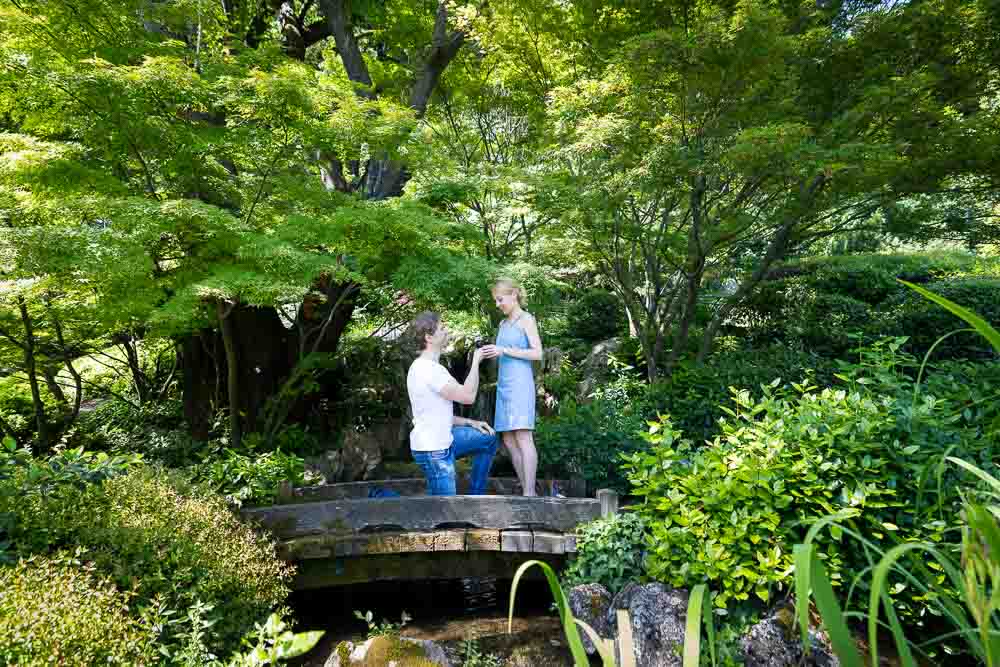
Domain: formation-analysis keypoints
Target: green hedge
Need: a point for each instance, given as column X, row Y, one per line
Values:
column 595, row 316
column 53, row 611
column 172, row 542
column 585, row 441
column 822, row 302
column 909, row 314
column 695, row 396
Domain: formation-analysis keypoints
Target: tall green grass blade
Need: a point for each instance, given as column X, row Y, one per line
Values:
column 986, row 477
column 605, row 647
column 709, row 622
column 692, row 633
column 975, row 321
column 802, row 557
column 565, row 615
column 833, row 618
column 878, row 594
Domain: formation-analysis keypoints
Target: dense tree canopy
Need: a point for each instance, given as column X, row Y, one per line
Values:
column 239, row 178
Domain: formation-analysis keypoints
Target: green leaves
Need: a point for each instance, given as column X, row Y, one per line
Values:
column 610, row 552
column 978, row 323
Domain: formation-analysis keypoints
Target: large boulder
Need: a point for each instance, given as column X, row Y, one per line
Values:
column 657, row 615
column 388, row 651
column 595, row 370
column 590, row 603
column 774, row 642
column 360, row 454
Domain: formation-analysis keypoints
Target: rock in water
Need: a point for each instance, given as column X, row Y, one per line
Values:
column 657, row 615
column 590, row 604
column 389, row 651
column 774, row 643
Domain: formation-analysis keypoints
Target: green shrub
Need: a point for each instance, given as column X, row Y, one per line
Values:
column 819, row 301
column 597, row 315
column 695, row 395
column 583, row 441
column 727, row 513
column 610, row 552
column 250, row 478
column 172, row 542
column 53, row 611
column 924, row 322
column 730, row 512
column 824, row 322
column 17, row 409
column 155, row 429
column 871, row 278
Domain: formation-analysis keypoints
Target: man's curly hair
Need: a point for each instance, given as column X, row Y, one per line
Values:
column 423, row 325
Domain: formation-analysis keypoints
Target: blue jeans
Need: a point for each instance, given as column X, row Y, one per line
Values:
column 439, row 465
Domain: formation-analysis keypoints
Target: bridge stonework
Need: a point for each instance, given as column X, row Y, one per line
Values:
column 354, row 540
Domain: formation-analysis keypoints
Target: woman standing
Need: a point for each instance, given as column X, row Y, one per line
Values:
column 517, row 345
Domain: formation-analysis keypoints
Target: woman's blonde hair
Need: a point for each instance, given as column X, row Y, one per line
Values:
column 508, row 286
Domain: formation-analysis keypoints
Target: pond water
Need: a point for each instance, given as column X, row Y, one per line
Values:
column 449, row 612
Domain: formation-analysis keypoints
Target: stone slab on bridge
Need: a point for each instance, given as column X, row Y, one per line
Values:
column 339, row 542
column 417, row 486
column 424, row 513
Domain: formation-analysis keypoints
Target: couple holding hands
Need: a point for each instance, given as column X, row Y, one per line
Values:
column 438, row 436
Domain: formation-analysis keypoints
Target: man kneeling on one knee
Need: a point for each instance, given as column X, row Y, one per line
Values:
column 438, row 436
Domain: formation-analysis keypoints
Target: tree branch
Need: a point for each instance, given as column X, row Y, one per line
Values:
column 339, row 24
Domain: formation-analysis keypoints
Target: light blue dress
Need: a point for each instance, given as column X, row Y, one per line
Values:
column 515, row 408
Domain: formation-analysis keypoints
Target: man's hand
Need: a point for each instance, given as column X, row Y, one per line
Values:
column 477, row 356
column 482, row 427
column 490, row 351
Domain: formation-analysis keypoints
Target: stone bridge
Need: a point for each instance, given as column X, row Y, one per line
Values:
column 337, row 535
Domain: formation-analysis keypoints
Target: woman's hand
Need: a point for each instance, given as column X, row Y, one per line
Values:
column 491, row 351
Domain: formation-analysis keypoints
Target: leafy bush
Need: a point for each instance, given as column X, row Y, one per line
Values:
column 871, row 278
column 924, row 322
column 56, row 611
column 174, row 543
column 17, row 409
column 250, row 478
column 583, row 441
column 729, row 513
column 610, row 552
column 695, row 395
column 820, row 301
column 597, row 315
column 155, row 429
column 824, row 322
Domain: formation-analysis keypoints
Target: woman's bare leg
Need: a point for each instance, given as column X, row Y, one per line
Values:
column 529, row 460
column 510, row 442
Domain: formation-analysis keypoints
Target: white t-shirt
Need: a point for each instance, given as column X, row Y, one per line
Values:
column 432, row 412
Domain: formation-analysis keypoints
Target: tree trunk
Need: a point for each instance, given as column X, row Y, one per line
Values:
column 262, row 346
column 776, row 249
column 199, row 379
column 139, row 380
column 232, row 375
column 29, row 367
column 68, row 362
column 52, row 382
